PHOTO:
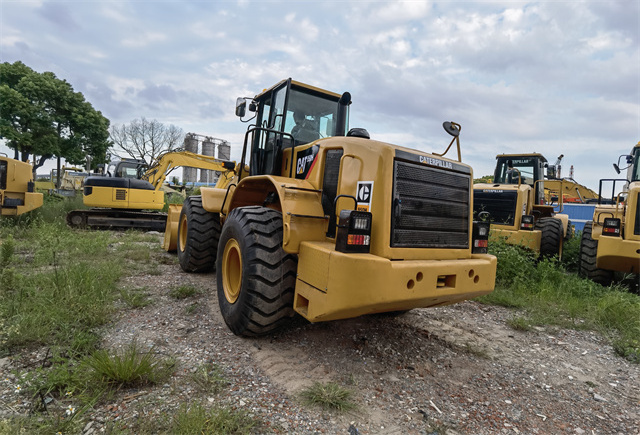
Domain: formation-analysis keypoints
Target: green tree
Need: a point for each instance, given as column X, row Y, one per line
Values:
column 42, row 116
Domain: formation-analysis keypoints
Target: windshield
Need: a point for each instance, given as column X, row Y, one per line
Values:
column 635, row 171
column 310, row 117
column 526, row 166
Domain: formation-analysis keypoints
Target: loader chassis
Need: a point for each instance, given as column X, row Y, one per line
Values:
column 17, row 189
column 610, row 243
column 517, row 192
column 283, row 247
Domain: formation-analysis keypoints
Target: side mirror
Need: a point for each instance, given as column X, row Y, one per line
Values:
column 615, row 166
column 241, row 107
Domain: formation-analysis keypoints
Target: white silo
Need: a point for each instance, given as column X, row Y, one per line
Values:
column 190, row 175
column 224, row 150
column 208, row 149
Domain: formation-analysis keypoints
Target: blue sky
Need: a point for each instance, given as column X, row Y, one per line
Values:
column 555, row 77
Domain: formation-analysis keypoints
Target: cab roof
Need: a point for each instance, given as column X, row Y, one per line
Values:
column 512, row 156
column 298, row 85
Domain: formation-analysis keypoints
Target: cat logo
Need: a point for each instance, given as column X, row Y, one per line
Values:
column 363, row 195
column 302, row 163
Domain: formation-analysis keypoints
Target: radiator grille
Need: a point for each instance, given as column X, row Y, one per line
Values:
column 121, row 195
column 430, row 207
column 501, row 205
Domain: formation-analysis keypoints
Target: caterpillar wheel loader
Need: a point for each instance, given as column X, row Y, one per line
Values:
column 610, row 242
column 131, row 186
column 516, row 205
column 17, row 189
column 331, row 224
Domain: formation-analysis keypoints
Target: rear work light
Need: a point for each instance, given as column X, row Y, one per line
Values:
column 611, row 227
column 354, row 231
column 480, row 237
column 527, row 222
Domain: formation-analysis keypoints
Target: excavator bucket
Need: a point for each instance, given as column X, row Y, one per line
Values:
column 170, row 243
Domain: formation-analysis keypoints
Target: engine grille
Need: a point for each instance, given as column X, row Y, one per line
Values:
column 500, row 204
column 430, row 207
column 121, row 195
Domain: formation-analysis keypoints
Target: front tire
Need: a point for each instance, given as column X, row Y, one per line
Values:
column 552, row 237
column 588, row 255
column 198, row 235
column 255, row 276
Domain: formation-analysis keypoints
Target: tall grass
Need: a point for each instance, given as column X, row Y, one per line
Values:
column 550, row 295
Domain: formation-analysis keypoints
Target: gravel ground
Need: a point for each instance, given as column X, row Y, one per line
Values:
column 454, row 370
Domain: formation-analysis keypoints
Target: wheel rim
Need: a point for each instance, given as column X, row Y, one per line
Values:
column 182, row 240
column 231, row 271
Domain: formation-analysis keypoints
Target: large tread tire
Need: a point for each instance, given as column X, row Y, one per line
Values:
column 256, row 278
column 198, row 235
column 587, row 258
column 552, row 238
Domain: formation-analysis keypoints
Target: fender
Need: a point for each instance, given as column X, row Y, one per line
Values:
column 299, row 202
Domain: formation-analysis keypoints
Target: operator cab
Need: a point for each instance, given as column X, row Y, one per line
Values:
column 526, row 169
column 288, row 115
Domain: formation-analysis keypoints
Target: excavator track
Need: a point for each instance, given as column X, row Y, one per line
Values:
column 110, row 219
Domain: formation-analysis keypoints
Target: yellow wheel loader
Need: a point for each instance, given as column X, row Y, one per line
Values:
column 516, row 205
column 331, row 224
column 17, row 189
column 611, row 241
column 131, row 186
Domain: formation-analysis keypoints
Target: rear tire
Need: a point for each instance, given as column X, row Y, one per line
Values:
column 552, row 238
column 198, row 235
column 256, row 278
column 587, row 259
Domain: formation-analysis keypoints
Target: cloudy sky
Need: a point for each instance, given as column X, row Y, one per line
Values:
column 555, row 77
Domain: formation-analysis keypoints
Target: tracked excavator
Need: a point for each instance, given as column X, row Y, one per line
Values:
column 130, row 195
column 17, row 189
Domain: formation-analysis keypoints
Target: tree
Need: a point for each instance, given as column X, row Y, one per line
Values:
column 144, row 139
column 41, row 115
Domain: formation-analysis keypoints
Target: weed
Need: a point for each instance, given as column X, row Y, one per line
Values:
column 192, row 308
column 129, row 367
column 519, row 323
column 136, row 298
column 209, row 378
column 184, row 291
column 328, row 396
column 7, row 248
column 196, row 419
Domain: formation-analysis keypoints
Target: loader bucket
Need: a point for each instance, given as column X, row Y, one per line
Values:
column 170, row 243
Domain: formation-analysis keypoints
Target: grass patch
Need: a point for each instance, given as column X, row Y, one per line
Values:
column 136, row 298
column 196, row 419
column 129, row 367
column 552, row 296
column 183, row 292
column 330, row 396
column 209, row 378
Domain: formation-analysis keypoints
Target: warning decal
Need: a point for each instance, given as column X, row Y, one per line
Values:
column 364, row 195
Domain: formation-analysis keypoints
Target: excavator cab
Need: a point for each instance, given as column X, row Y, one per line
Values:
column 288, row 115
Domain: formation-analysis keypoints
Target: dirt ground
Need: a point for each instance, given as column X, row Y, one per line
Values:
column 449, row 370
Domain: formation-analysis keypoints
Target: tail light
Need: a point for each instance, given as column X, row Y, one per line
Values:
column 527, row 222
column 354, row 231
column 611, row 227
column 480, row 237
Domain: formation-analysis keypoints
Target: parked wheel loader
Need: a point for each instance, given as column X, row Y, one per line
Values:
column 17, row 189
column 331, row 224
column 516, row 205
column 611, row 241
column 131, row 186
